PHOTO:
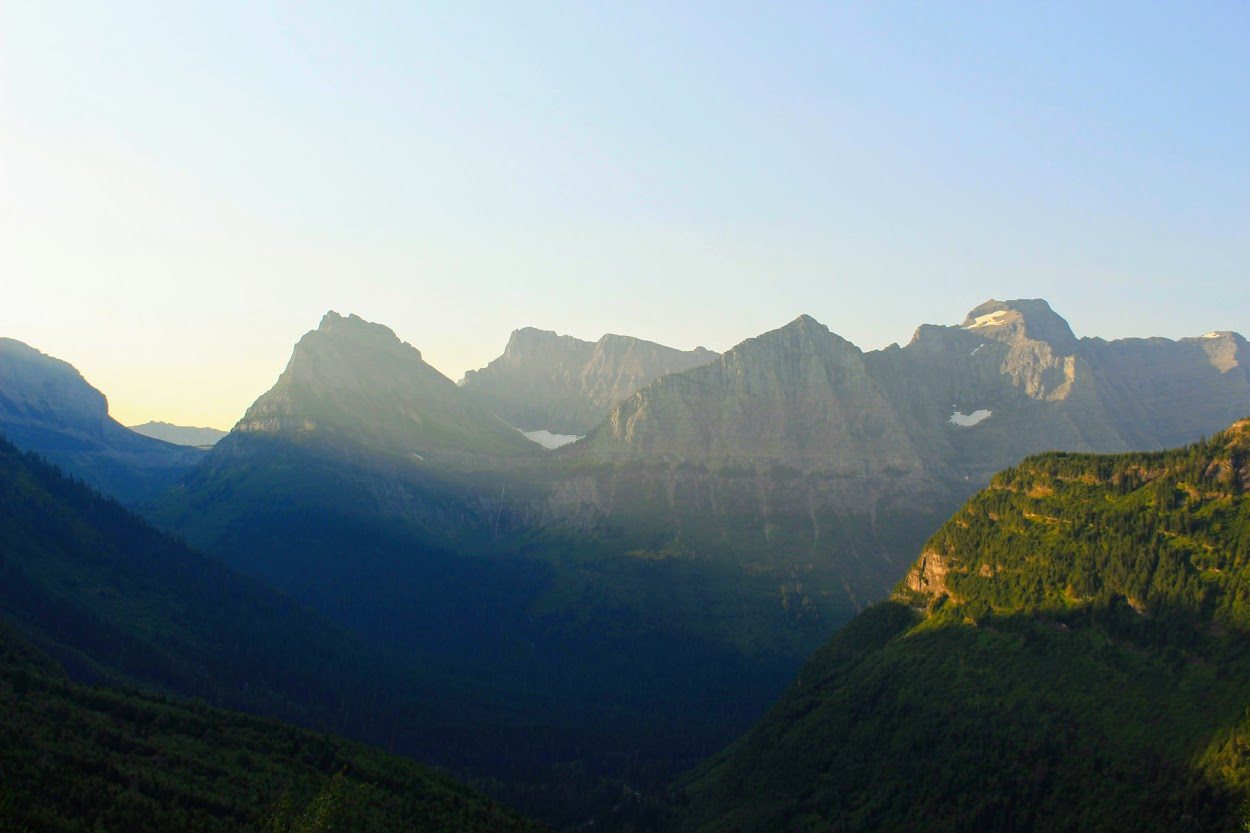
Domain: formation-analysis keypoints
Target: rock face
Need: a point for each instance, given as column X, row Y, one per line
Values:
column 180, row 434
column 545, row 381
column 354, row 383
column 47, row 407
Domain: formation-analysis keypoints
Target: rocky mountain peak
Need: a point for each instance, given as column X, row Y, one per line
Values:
column 562, row 384
column 355, row 381
column 359, row 333
column 1030, row 318
column 532, row 339
column 798, row 395
column 802, row 335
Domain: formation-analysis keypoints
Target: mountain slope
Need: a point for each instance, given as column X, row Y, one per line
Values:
column 1069, row 652
column 545, row 381
column 79, row 758
column 47, row 407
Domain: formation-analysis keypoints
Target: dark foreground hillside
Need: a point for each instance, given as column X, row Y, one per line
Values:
column 1070, row 652
column 74, row 758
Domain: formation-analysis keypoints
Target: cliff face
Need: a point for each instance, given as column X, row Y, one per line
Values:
column 545, row 381
column 355, row 384
column 47, row 407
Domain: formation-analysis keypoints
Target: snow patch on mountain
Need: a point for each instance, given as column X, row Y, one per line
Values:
column 549, row 440
column 987, row 320
column 968, row 420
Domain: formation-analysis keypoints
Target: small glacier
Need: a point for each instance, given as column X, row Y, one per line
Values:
column 987, row 320
column 549, row 440
column 968, row 420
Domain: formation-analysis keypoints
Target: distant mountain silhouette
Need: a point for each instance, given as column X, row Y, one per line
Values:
column 180, row 434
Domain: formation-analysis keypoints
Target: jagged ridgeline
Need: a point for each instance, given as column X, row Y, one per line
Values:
column 566, row 386
column 1071, row 651
column 75, row 758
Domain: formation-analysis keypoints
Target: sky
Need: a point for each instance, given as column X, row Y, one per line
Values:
column 185, row 188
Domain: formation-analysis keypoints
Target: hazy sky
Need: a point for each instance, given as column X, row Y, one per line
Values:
column 186, row 188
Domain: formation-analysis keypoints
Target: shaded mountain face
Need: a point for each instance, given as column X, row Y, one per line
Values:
column 563, row 385
column 351, row 383
column 180, row 434
column 1068, row 652
column 116, row 601
column 46, row 406
column 140, row 763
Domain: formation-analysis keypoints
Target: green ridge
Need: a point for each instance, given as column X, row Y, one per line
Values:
column 1069, row 653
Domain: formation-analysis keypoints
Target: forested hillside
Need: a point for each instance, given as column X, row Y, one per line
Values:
column 1069, row 652
column 75, row 758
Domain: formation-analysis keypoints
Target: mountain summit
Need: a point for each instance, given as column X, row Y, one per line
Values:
column 799, row 395
column 567, row 386
column 1030, row 318
column 354, row 382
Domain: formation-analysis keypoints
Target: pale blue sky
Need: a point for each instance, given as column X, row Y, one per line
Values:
column 186, row 188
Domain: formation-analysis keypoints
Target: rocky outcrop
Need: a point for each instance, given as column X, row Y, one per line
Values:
column 545, row 381
column 927, row 576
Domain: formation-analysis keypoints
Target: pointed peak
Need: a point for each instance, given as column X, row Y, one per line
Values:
column 807, row 326
column 802, row 331
column 354, row 330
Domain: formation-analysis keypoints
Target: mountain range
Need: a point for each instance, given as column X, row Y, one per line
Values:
column 714, row 528
column 630, row 602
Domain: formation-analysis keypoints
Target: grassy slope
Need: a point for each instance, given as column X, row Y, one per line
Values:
column 1082, row 664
